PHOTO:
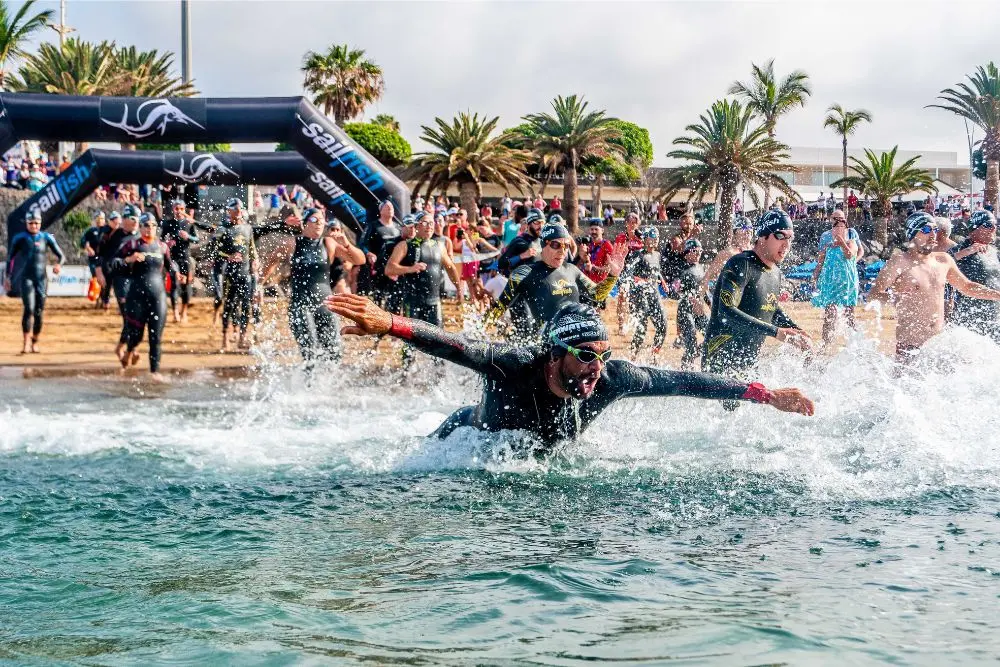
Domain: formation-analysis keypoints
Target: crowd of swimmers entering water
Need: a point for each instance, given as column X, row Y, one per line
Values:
column 547, row 368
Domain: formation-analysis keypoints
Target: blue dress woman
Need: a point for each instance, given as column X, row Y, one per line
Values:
column 836, row 274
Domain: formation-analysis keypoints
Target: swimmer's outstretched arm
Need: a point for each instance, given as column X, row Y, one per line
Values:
column 635, row 380
column 371, row 320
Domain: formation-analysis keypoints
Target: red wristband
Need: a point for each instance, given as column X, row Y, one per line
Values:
column 401, row 327
column 758, row 393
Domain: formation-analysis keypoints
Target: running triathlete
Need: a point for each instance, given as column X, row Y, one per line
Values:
column 119, row 280
column 977, row 259
column 235, row 246
column 145, row 259
column 550, row 282
column 90, row 242
column 377, row 242
column 554, row 389
column 179, row 233
column 745, row 307
column 740, row 240
column 644, row 295
column 633, row 241
column 26, row 274
column 691, row 310
column 525, row 247
column 419, row 265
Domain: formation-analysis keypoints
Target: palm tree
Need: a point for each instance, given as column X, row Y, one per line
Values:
column 147, row 74
column 387, row 121
column 844, row 123
column 979, row 102
column 879, row 178
column 79, row 68
column 468, row 154
column 725, row 149
column 770, row 99
column 342, row 81
column 15, row 31
column 563, row 140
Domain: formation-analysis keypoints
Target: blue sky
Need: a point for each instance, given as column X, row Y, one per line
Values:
column 657, row 64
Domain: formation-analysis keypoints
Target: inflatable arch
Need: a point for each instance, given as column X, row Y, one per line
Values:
column 179, row 120
column 96, row 167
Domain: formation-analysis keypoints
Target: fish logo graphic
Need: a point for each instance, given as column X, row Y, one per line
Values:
column 203, row 167
column 158, row 114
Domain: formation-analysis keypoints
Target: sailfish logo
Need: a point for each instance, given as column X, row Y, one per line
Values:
column 158, row 114
column 203, row 168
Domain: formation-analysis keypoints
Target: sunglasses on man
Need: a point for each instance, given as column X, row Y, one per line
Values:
column 583, row 355
column 782, row 236
column 558, row 245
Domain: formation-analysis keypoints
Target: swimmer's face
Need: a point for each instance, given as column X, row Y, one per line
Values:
column 926, row 243
column 554, row 252
column 33, row 225
column 235, row 215
column 386, row 212
column 649, row 243
column 775, row 246
column 743, row 238
column 148, row 231
column 425, row 228
column 686, row 224
column 129, row 224
column 408, row 232
column 114, row 222
column 983, row 234
column 580, row 379
column 631, row 224
column 312, row 227
column 179, row 211
column 693, row 256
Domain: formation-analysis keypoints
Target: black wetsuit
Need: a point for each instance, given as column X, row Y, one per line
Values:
column 26, row 269
column 238, row 278
column 978, row 315
column 180, row 254
column 118, row 280
column 510, row 258
column 146, row 304
column 379, row 240
column 688, row 323
column 92, row 239
column 314, row 327
column 421, row 292
column 745, row 312
column 337, row 271
column 644, row 299
column 515, row 395
column 545, row 290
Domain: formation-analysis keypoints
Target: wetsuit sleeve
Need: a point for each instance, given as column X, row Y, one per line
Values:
column 511, row 257
column 510, row 292
column 783, row 321
column 366, row 238
column 117, row 262
column 54, row 247
column 193, row 234
column 629, row 379
column 15, row 248
column 598, row 291
column 730, row 290
column 479, row 356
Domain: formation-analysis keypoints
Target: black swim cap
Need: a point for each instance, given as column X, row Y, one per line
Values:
column 553, row 232
column 980, row 218
column 917, row 220
column 575, row 323
column 556, row 219
column 691, row 244
column 534, row 215
column 773, row 221
column 147, row 219
column 131, row 211
column 234, row 203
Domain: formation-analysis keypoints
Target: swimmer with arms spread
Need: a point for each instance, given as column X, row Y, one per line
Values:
column 554, row 389
column 917, row 278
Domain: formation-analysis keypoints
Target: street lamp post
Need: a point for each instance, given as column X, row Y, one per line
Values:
column 186, row 50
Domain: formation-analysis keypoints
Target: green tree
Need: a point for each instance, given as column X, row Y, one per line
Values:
column 623, row 170
column 16, row 28
column 564, row 139
column 468, row 153
column 147, row 74
column 844, row 123
column 881, row 179
column 724, row 149
column 342, row 82
column 386, row 145
column 770, row 98
column 978, row 101
column 387, row 121
column 79, row 68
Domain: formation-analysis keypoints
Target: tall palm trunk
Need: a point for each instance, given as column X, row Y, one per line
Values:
column 467, row 196
column 545, row 184
column 882, row 223
column 571, row 205
column 843, row 174
column 991, row 153
column 726, row 196
column 767, row 188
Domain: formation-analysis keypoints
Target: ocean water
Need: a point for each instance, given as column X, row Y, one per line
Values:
column 277, row 521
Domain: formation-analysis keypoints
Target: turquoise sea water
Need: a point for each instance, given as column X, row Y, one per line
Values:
column 270, row 522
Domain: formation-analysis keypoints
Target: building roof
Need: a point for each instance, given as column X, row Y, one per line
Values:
column 833, row 157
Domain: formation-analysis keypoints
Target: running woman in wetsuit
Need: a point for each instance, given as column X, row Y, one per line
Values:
column 114, row 221
column 419, row 265
column 90, row 242
column 178, row 233
column 978, row 260
column 145, row 259
column 26, row 274
column 745, row 307
column 377, row 242
column 691, row 316
column 644, row 295
column 314, row 328
column 554, row 389
column 235, row 246
column 119, row 280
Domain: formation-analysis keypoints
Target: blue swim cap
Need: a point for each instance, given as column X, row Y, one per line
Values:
column 916, row 221
column 980, row 218
column 773, row 221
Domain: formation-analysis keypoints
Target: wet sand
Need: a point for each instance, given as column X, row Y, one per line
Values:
column 79, row 340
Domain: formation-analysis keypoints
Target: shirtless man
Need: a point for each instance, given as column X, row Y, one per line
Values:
column 917, row 278
column 741, row 240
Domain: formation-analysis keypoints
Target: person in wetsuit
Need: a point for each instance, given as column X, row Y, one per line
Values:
column 644, row 295
column 26, row 274
column 314, row 328
column 235, row 246
column 377, row 242
column 977, row 259
column 555, row 388
column 549, row 283
column 633, row 241
column 114, row 221
column 745, row 307
column 119, row 280
column 90, row 242
column 179, row 233
column 419, row 265
column 691, row 307
column 525, row 247
column 145, row 259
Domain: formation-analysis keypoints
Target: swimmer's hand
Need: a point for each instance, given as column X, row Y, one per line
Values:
column 796, row 337
column 792, row 400
column 368, row 318
column 617, row 259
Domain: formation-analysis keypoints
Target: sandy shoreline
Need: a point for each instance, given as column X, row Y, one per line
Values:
column 79, row 340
